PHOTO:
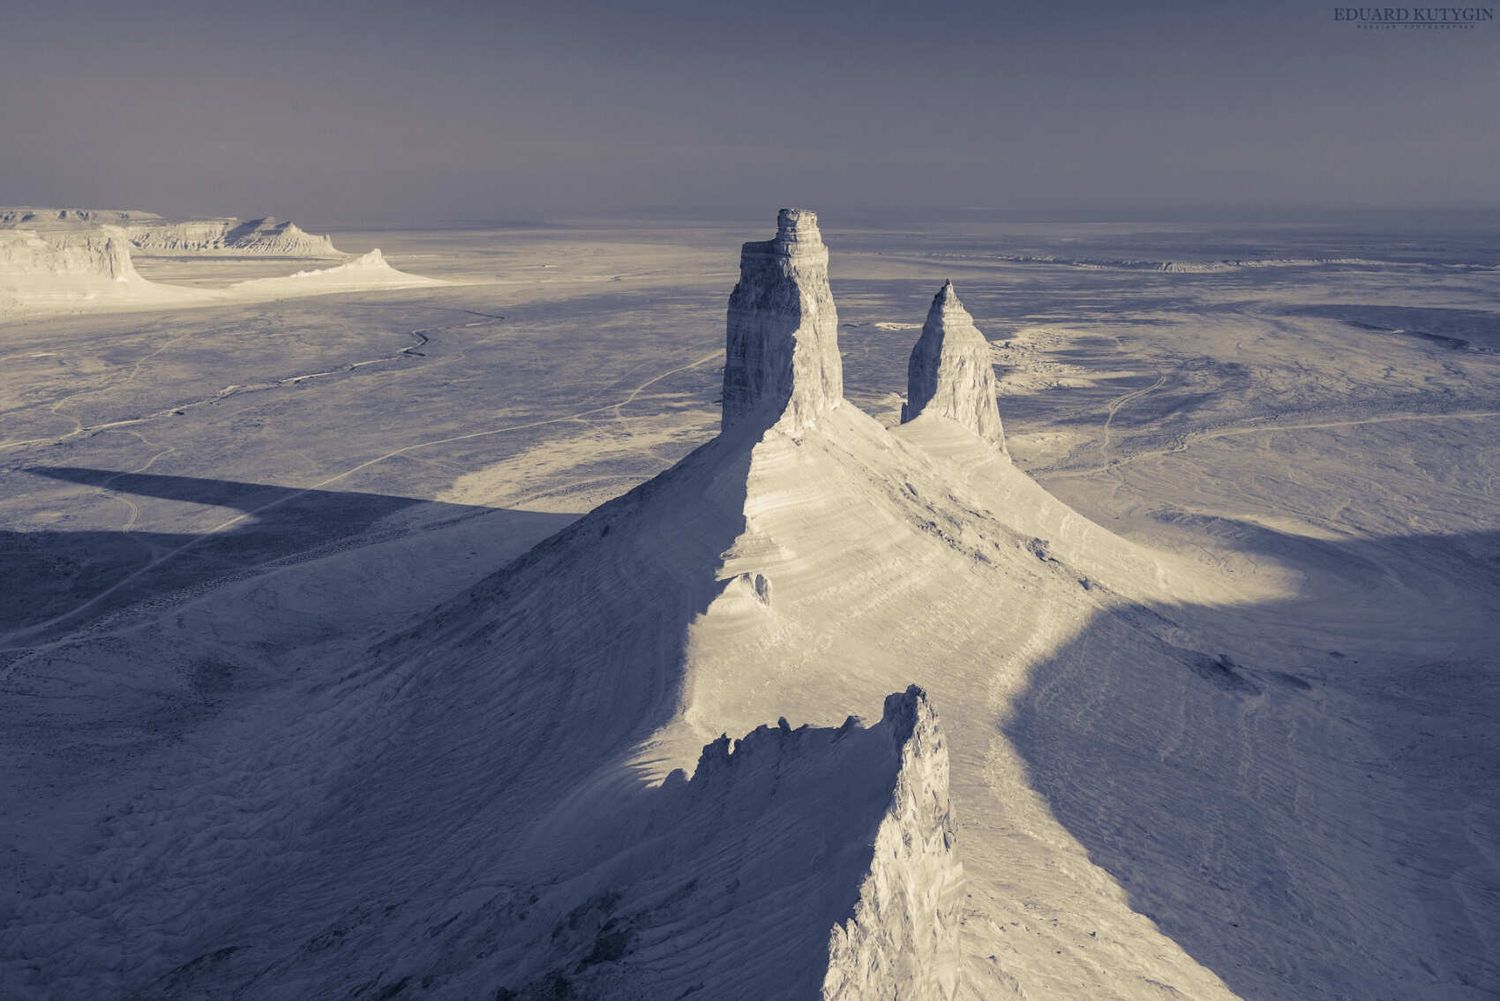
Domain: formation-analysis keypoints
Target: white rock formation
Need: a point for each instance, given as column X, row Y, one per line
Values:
column 903, row 940
column 82, row 268
column 66, row 267
column 255, row 237
column 760, row 854
column 189, row 237
column 102, row 253
column 35, row 217
column 950, row 372
column 75, row 267
column 782, row 356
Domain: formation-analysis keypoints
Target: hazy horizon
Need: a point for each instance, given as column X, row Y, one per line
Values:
column 372, row 114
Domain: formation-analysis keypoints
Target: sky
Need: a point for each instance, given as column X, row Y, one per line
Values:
column 407, row 114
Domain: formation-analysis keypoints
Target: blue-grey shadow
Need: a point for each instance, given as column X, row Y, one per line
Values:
column 1140, row 747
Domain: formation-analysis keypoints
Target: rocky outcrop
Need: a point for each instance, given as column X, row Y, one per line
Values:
column 65, row 268
column 256, row 237
column 31, row 217
column 782, row 357
column 903, row 940
column 193, row 237
column 950, row 372
column 776, row 838
column 101, row 254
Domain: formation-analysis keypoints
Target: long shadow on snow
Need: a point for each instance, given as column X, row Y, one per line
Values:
column 75, row 577
column 88, row 699
column 1306, row 821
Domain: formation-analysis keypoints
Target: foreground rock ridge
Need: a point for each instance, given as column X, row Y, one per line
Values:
column 950, row 372
column 903, row 940
column 788, row 841
column 781, row 355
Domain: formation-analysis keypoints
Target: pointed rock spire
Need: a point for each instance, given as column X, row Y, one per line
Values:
column 902, row 940
column 782, row 354
column 950, row 371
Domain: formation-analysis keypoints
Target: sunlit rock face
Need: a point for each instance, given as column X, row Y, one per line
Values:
column 950, row 372
column 903, row 938
column 39, row 255
column 256, row 237
column 782, row 356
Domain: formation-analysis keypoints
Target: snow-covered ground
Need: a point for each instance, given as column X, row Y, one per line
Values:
column 1209, row 669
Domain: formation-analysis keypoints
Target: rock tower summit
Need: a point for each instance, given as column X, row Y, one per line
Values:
column 950, row 371
column 781, row 363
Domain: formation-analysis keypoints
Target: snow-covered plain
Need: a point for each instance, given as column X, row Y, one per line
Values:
column 1209, row 668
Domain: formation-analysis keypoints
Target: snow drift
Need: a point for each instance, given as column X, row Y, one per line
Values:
column 366, row 271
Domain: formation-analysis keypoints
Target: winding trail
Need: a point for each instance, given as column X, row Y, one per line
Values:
column 176, row 410
column 1119, row 402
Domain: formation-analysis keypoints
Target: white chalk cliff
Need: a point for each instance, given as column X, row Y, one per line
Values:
column 67, row 267
column 230, row 237
column 781, row 359
column 35, row 217
column 101, row 253
column 950, row 372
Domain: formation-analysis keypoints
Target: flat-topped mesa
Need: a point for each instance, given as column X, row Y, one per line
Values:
column 92, row 253
column 950, row 371
column 781, row 362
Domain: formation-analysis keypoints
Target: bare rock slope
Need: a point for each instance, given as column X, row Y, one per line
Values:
column 230, row 237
